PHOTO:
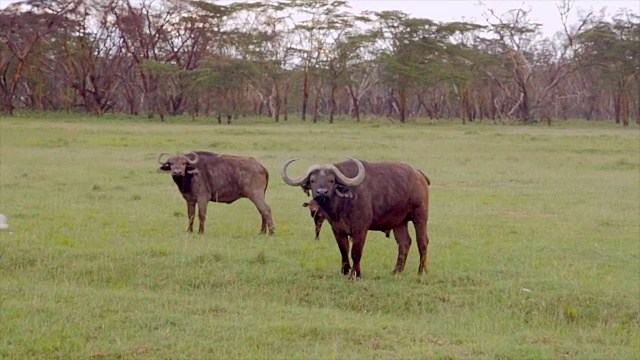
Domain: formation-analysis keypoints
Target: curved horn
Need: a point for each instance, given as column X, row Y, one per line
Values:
column 192, row 162
column 350, row 181
column 162, row 162
column 299, row 180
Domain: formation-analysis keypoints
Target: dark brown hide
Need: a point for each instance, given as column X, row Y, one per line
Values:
column 206, row 176
column 318, row 218
column 391, row 195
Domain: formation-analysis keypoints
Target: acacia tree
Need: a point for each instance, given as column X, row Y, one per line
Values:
column 264, row 37
column 416, row 56
column 355, row 66
column 314, row 40
column 516, row 37
column 551, row 59
column 185, row 40
column 444, row 65
column 143, row 28
column 395, row 58
column 614, row 48
column 169, row 56
column 22, row 26
column 92, row 55
column 345, row 42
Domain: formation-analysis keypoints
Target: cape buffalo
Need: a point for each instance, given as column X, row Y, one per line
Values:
column 203, row 176
column 358, row 196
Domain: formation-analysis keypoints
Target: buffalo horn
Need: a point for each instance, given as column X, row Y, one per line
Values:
column 160, row 161
column 341, row 177
column 299, row 180
column 354, row 181
column 192, row 162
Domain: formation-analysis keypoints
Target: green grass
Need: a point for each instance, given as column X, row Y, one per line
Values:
column 534, row 253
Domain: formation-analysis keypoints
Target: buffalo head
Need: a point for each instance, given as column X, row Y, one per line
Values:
column 325, row 181
column 179, row 165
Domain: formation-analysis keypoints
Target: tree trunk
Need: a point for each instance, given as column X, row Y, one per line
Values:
column 316, row 107
column 274, row 101
column 525, row 111
column 616, row 105
column 285, row 100
column 8, row 104
column 332, row 103
column 356, row 103
column 305, row 94
column 402, row 104
column 638, row 104
column 466, row 106
column 624, row 107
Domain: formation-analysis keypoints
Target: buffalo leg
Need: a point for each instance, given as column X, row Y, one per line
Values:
column 423, row 243
column 265, row 214
column 202, row 214
column 318, row 221
column 401, row 234
column 343, row 244
column 356, row 254
column 422, row 238
column 191, row 213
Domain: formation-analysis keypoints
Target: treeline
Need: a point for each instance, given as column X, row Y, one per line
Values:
column 314, row 59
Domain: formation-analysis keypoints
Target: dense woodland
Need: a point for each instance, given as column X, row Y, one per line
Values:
column 314, row 60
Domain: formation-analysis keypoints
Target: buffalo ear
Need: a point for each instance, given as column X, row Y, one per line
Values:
column 344, row 192
column 164, row 168
column 306, row 188
column 305, row 204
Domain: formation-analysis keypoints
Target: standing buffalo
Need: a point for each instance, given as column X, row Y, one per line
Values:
column 358, row 196
column 203, row 176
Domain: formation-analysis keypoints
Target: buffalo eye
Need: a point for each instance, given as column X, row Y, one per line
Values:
column 313, row 181
column 332, row 182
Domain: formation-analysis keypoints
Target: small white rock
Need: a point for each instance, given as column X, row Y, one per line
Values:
column 526, row 290
column 3, row 222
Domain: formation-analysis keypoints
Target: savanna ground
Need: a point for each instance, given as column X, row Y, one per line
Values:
column 534, row 252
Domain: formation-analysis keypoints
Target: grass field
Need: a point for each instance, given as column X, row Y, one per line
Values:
column 534, row 253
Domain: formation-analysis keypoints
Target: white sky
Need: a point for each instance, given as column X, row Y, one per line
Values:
column 544, row 12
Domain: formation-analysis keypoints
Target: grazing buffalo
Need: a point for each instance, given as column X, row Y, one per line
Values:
column 358, row 196
column 203, row 176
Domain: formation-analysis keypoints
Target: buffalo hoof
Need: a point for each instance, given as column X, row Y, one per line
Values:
column 354, row 275
column 345, row 269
